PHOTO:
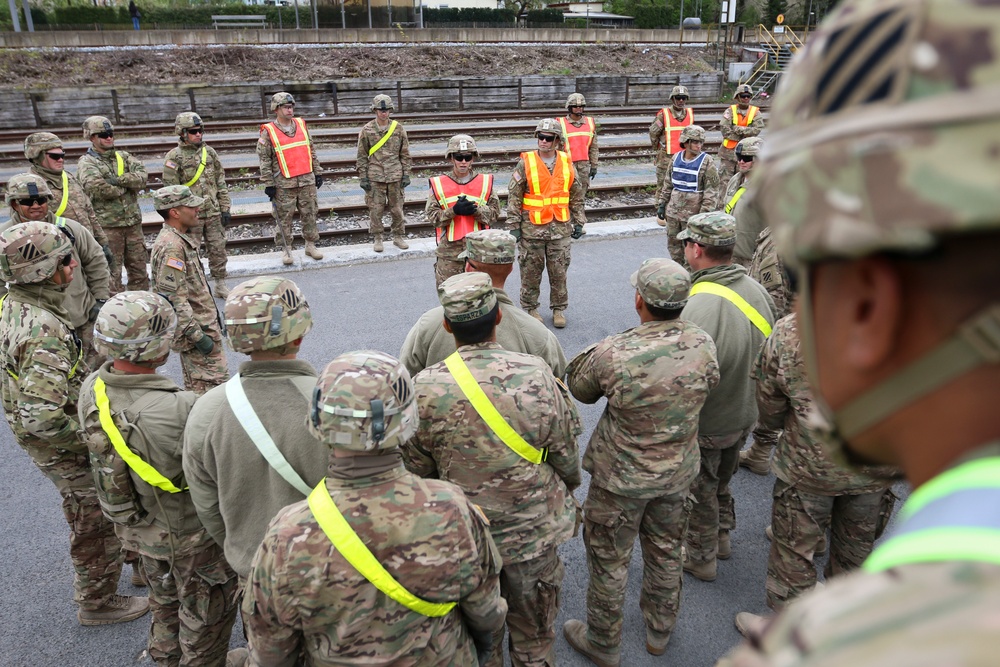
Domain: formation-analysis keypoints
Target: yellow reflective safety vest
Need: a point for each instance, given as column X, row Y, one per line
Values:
column 731, row 296
column 740, row 121
column 579, row 138
column 672, row 129
column 293, row 153
column 547, row 197
column 447, row 191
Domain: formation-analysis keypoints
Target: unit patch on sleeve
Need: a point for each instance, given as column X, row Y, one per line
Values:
column 175, row 263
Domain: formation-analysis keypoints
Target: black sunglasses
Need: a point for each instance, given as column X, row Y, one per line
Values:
column 57, row 156
column 31, row 201
column 462, row 157
column 196, row 130
column 745, row 96
column 105, row 135
column 745, row 158
column 546, row 137
column 682, row 98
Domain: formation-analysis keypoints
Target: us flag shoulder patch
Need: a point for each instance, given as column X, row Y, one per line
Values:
column 170, row 164
column 175, row 263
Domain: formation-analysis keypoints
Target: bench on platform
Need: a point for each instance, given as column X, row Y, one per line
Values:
column 239, row 21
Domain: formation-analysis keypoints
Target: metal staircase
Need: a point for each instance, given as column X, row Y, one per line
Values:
column 779, row 49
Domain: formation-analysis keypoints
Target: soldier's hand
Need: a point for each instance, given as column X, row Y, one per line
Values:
column 593, row 173
column 661, row 211
column 227, row 217
column 108, row 255
column 516, row 233
column 319, row 181
column 465, row 207
column 205, row 345
column 365, row 184
column 405, row 182
column 271, row 192
column 577, row 231
column 113, row 180
column 96, row 308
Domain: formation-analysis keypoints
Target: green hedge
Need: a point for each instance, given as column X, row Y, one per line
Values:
column 200, row 15
column 469, row 15
column 650, row 17
column 545, row 16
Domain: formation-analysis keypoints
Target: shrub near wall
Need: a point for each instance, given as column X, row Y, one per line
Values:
column 476, row 15
column 193, row 16
column 545, row 16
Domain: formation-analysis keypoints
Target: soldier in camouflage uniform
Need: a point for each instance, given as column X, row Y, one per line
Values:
column 739, row 121
column 128, row 410
column 113, row 179
column 44, row 368
column 896, row 245
column 580, row 134
column 543, row 230
column 642, row 456
column 524, row 484
column 690, row 186
column 195, row 164
column 661, row 138
column 306, row 595
column 44, row 151
column 384, row 167
column 179, row 276
column 736, row 201
column 236, row 488
column 30, row 199
column 291, row 175
column 492, row 252
column 458, row 203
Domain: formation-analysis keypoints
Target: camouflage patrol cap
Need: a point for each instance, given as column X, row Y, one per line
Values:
column 467, row 296
column 742, row 89
column 461, row 143
column 382, row 103
column 749, row 146
column 37, row 143
column 692, row 132
column 715, row 229
column 135, row 326
column 95, row 125
column 678, row 91
column 171, row 196
column 22, row 186
column 363, row 401
column 281, row 98
column 490, row 246
column 266, row 313
column 662, row 283
column 31, row 252
column 576, row 100
column 185, row 121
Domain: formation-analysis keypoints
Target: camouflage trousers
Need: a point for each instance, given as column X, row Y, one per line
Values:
column 531, row 589
column 446, row 262
column 213, row 235
column 129, row 250
column 204, row 371
column 380, row 196
column 661, row 160
column 303, row 198
column 800, row 521
column 536, row 255
column 711, row 509
column 94, row 548
column 726, row 164
column 193, row 603
column 680, row 207
column 583, row 178
column 610, row 525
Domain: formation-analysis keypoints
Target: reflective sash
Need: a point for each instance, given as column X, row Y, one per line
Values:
column 488, row 412
column 579, row 138
column 350, row 546
column 146, row 472
column 121, row 163
column 741, row 121
column 447, row 194
column 673, row 127
column 65, row 196
column 385, row 138
column 262, row 440
column 736, row 197
column 293, row 153
column 79, row 350
column 729, row 295
column 201, row 167
column 952, row 517
column 548, row 195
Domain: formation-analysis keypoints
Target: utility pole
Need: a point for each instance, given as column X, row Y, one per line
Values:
column 13, row 15
column 809, row 13
column 296, row 14
column 682, row 22
column 343, row 14
column 27, row 17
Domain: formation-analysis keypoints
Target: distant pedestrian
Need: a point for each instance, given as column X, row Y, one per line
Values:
column 133, row 11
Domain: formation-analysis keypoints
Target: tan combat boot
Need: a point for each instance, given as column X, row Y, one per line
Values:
column 576, row 635
column 656, row 642
column 238, row 657
column 378, row 244
column 750, row 625
column 138, row 579
column 400, row 242
column 661, row 222
column 221, row 291
column 118, row 609
column 312, row 251
column 725, row 549
column 703, row 571
column 286, row 256
column 534, row 313
column 558, row 319
column 756, row 458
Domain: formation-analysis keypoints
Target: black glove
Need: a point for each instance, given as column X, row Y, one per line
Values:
column 577, row 231
column 319, row 181
column 227, row 217
column 661, row 211
column 483, row 641
column 113, row 180
column 96, row 308
column 516, row 233
column 271, row 192
column 365, row 184
column 205, row 345
column 106, row 249
column 405, row 182
column 593, row 173
column 465, row 207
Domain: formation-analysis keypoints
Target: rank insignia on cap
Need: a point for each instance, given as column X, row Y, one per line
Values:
column 175, row 263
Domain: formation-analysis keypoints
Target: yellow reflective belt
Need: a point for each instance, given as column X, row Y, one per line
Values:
column 489, row 414
column 121, row 163
column 361, row 558
column 148, row 473
column 438, row 191
column 381, row 142
column 65, row 197
column 752, row 314
column 736, row 197
column 201, row 167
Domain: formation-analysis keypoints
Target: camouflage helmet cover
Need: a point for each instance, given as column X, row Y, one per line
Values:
column 185, row 121
column 550, row 125
column 96, row 124
column 576, row 100
column 364, row 401
column 382, row 103
column 22, row 186
column 31, row 252
column 461, row 143
column 266, row 313
column 692, row 132
column 135, row 326
column 678, row 91
column 742, row 89
column 37, row 143
column 749, row 146
column 281, row 98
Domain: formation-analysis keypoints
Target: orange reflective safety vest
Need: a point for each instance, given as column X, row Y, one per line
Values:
column 742, row 121
column 548, row 193
column 447, row 192
column 293, row 153
column 579, row 138
column 672, row 129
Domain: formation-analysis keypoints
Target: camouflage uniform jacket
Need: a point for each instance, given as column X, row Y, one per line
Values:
column 172, row 528
column 391, row 162
column 917, row 614
column 235, row 490
column 785, row 401
column 767, row 269
column 427, row 343
column 530, row 507
column 734, row 132
column 731, row 406
column 78, row 206
column 179, row 276
column 115, row 198
column 42, row 380
column 749, row 224
column 181, row 164
column 303, row 595
column 704, row 201
column 90, row 281
column 656, row 128
column 518, row 219
column 656, row 377
column 270, row 173
column 486, row 216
